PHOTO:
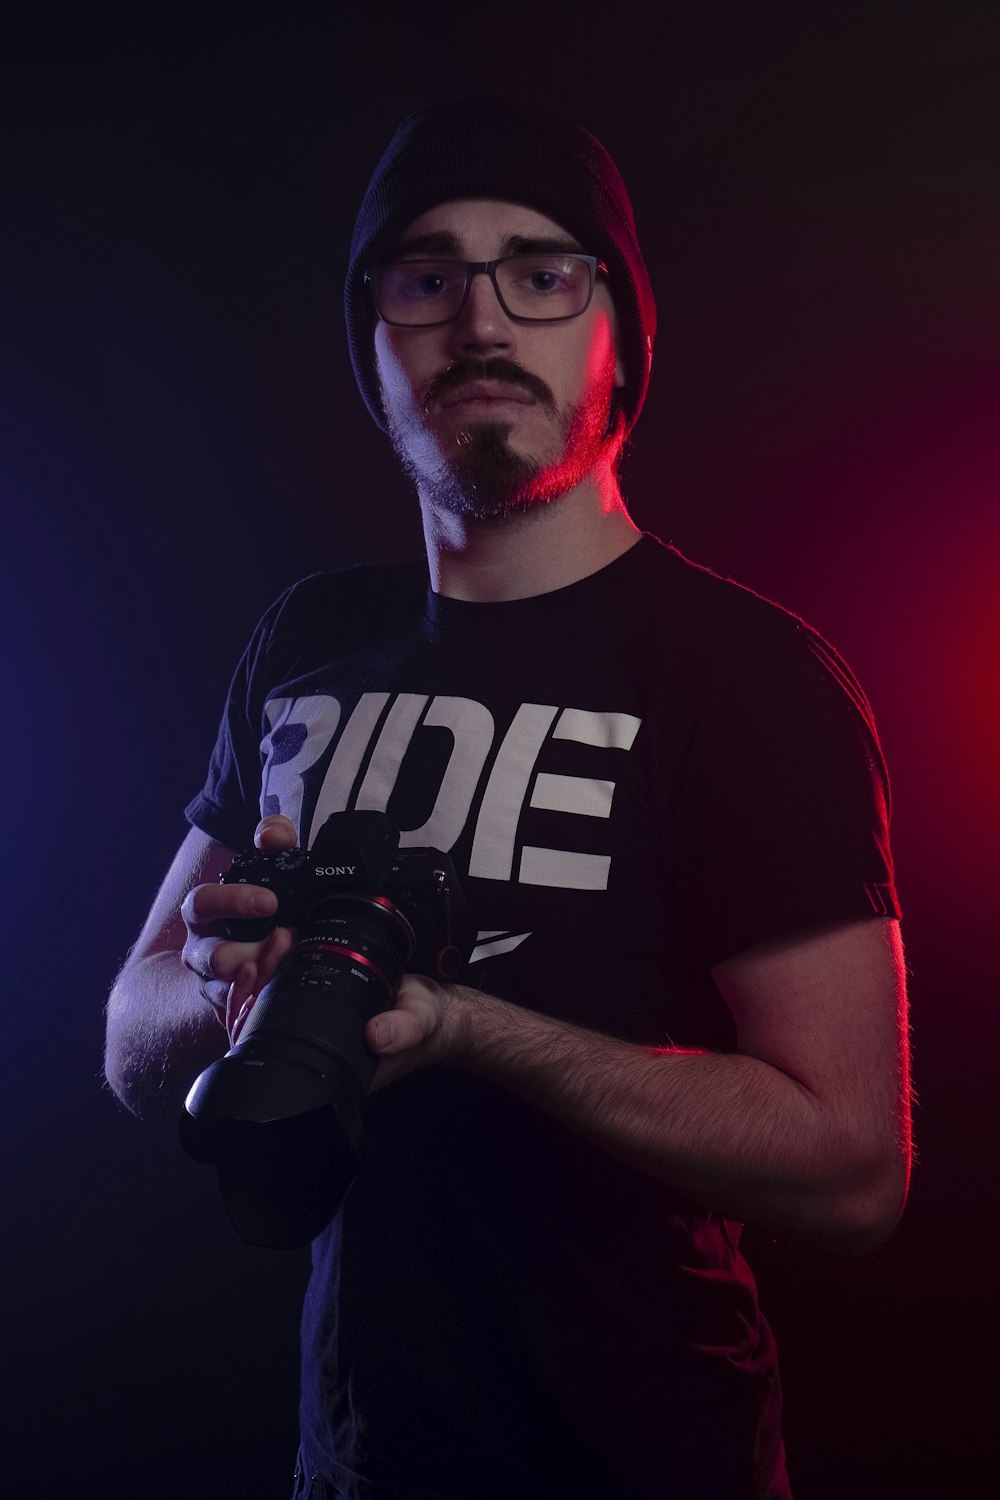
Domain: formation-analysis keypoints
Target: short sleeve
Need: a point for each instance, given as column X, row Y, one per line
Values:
column 228, row 807
column 784, row 814
column 314, row 622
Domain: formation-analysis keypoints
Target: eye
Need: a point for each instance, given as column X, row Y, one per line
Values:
column 419, row 281
column 427, row 285
column 543, row 280
column 544, row 285
column 544, row 276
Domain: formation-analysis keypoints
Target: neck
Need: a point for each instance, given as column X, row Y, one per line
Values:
column 543, row 548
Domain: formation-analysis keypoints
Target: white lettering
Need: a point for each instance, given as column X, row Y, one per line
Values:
column 584, row 795
column 301, row 729
column 383, row 768
column 314, row 721
column 573, row 794
column 492, row 855
column 472, row 730
column 341, row 773
column 608, row 731
column 563, row 867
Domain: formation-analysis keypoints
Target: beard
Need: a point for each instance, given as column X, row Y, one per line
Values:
column 476, row 473
column 483, row 478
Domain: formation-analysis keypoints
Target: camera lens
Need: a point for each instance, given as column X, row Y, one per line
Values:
column 344, row 968
column 280, row 1114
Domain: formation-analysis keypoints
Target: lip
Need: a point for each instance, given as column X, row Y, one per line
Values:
column 487, row 392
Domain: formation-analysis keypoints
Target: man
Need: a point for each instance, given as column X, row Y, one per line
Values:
column 665, row 799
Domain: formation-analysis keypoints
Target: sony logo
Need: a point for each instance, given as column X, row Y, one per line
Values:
column 334, row 869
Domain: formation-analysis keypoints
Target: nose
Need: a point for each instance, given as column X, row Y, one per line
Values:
column 482, row 326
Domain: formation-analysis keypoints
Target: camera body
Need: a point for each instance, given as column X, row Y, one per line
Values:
column 281, row 1115
column 358, row 852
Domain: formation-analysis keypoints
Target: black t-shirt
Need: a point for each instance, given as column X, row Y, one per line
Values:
column 636, row 776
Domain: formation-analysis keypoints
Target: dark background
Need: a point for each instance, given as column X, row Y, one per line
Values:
column 817, row 194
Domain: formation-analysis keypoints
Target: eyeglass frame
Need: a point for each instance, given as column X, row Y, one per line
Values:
column 487, row 268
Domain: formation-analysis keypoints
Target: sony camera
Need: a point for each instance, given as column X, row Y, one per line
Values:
column 280, row 1116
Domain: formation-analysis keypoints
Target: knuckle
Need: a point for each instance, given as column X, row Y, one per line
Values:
column 199, row 955
column 189, row 906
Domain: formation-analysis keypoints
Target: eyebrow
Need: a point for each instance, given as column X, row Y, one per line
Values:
column 443, row 242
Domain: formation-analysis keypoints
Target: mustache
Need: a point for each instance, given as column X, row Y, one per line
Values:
column 461, row 371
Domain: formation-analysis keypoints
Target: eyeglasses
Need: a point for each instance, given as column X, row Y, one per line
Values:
column 530, row 288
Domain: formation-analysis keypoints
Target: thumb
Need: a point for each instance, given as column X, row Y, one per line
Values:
column 395, row 1031
column 276, row 832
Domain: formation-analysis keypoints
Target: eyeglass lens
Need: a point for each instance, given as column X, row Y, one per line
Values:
column 534, row 287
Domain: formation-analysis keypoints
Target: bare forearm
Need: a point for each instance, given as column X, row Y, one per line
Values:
column 725, row 1130
column 161, row 1032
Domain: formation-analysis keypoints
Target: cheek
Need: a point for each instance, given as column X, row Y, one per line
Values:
column 601, row 357
column 394, row 363
column 386, row 362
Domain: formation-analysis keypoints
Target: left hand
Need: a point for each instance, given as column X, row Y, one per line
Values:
column 428, row 1024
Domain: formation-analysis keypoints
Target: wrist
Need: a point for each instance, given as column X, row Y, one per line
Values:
column 457, row 1023
column 478, row 1029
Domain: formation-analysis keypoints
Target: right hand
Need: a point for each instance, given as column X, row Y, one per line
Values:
column 233, row 974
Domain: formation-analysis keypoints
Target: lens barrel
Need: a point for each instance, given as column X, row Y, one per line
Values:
column 280, row 1114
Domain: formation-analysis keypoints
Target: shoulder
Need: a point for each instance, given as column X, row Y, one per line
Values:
column 368, row 587
column 353, row 600
column 323, row 617
column 722, row 606
column 737, row 640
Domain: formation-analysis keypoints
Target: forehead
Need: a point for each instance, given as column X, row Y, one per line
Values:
column 484, row 227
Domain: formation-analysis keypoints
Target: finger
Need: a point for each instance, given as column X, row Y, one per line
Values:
column 216, row 992
column 273, row 951
column 276, row 832
column 396, row 1031
column 205, row 908
column 215, row 958
column 216, row 976
column 240, row 1021
column 243, row 988
column 238, row 1007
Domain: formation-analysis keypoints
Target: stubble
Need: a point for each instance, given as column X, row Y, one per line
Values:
column 476, row 474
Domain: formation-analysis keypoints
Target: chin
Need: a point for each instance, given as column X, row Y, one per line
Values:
column 484, row 476
column 475, row 471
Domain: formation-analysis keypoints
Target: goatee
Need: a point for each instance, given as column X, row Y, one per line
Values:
column 483, row 478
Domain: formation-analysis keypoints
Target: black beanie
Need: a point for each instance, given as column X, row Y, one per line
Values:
column 496, row 148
